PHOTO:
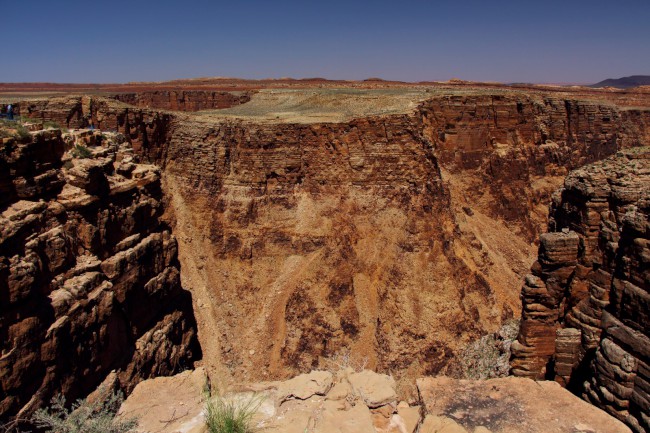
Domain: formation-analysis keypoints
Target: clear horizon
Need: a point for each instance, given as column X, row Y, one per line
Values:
column 555, row 42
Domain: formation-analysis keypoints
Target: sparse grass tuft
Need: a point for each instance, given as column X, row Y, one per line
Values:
column 84, row 417
column 231, row 416
column 50, row 124
column 11, row 128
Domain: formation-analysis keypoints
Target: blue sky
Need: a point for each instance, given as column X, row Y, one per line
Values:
column 488, row 40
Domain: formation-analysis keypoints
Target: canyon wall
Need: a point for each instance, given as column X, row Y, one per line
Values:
column 89, row 274
column 184, row 100
column 508, row 154
column 585, row 305
column 393, row 240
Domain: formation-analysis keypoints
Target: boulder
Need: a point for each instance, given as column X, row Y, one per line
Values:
column 306, row 385
column 373, row 388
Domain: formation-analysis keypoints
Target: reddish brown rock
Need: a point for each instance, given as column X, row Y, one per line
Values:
column 351, row 235
column 599, row 292
column 89, row 277
column 184, row 100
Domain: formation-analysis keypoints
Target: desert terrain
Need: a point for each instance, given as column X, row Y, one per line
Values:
column 263, row 229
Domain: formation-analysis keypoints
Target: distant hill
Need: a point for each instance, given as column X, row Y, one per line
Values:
column 625, row 82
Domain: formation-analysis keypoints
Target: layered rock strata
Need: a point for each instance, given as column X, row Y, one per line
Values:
column 375, row 235
column 89, row 274
column 508, row 154
column 584, row 319
column 184, row 100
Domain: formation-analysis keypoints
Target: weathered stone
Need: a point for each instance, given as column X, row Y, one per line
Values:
column 509, row 405
column 439, row 424
column 178, row 408
column 373, row 388
column 90, row 175
column 558, row 249
column 306, row 385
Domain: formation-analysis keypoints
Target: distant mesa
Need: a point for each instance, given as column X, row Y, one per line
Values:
column 625, row 82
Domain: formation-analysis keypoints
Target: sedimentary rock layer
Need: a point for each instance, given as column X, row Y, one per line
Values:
column 584, row 319
column 89, row 274
column 184, row 100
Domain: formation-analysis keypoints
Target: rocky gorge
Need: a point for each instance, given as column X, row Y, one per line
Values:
column 89, row 272
column 394, row 238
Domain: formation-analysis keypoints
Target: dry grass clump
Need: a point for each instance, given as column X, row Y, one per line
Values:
column 234, row 415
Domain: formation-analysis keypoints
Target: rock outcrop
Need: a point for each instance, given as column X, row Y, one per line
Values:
column 509, row 153
column 443, row 405
column 584, row 319
column 89, row 273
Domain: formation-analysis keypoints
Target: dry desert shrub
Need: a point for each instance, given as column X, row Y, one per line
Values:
column 489, row 356
column 84, row 416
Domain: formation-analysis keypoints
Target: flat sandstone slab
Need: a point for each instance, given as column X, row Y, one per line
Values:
column 169, row 404
column 513, row 405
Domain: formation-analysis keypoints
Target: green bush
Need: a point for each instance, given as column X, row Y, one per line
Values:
column 23, row 133
column 80, row 151
column 84, row 417
column 12, row 128
column 231, row 416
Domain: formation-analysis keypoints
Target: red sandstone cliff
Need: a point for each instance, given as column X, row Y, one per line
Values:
column 89, row 274
column 585, row 305
column 184, row 100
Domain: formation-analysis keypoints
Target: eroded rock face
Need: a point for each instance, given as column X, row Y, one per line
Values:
column 89, row 274
column 509, row 153
column 398, row 238
column 584, row 318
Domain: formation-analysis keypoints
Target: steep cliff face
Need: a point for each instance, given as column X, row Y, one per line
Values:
column 304, row 241
column 89, row 274
column 344, row 237
column 395, row 239
column 184, row 100
column 584, row 319
column 509, row 153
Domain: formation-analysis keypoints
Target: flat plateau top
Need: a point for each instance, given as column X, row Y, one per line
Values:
column 316, row 105
column 322, row 105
